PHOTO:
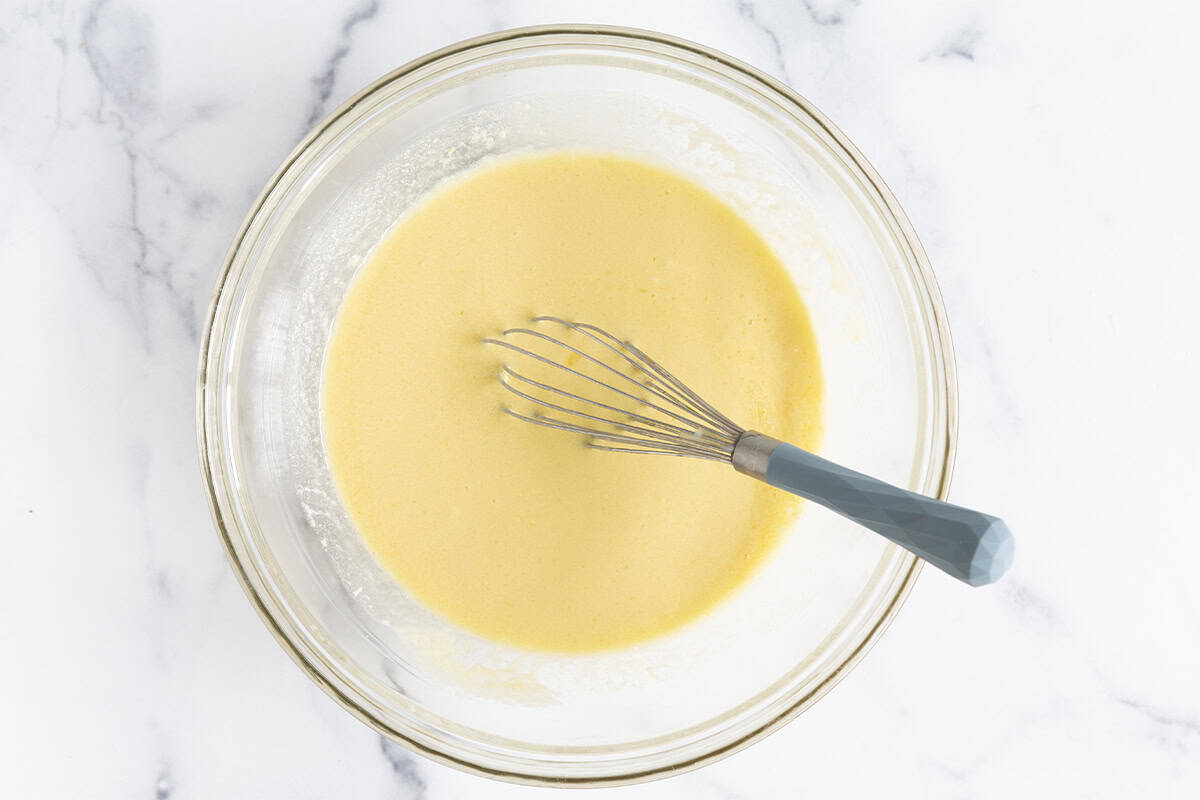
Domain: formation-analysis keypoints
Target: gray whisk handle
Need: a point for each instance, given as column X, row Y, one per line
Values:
column 974, row 547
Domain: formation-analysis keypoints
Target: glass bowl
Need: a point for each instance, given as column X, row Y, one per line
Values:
column 761, row 657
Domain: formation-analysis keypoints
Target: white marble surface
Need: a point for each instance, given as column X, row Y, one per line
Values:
column 1047, row 153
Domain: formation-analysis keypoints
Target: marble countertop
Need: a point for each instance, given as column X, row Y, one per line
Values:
column 1047, row 155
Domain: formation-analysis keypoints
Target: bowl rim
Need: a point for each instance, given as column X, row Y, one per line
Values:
column 930, row 298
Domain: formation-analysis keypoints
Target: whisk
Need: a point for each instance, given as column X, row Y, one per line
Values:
column 624, row 401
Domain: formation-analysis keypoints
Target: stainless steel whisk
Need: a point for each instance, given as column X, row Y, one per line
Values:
column 634, row 405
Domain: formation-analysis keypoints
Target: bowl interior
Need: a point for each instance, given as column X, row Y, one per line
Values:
column 757, row 657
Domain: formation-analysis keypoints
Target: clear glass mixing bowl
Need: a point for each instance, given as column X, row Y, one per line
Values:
column 760, row 658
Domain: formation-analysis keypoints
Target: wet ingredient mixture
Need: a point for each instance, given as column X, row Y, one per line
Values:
column 518, row 533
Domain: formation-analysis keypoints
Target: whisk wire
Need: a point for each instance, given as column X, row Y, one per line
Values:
column 688, row 426
column 584, row 415
column 691, row 423
column 692, row 398
column 665, row 426
column 655, row 390
column 643, row 445
column 665, row 382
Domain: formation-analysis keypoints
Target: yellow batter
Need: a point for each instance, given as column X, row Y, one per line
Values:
column 519, row 533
